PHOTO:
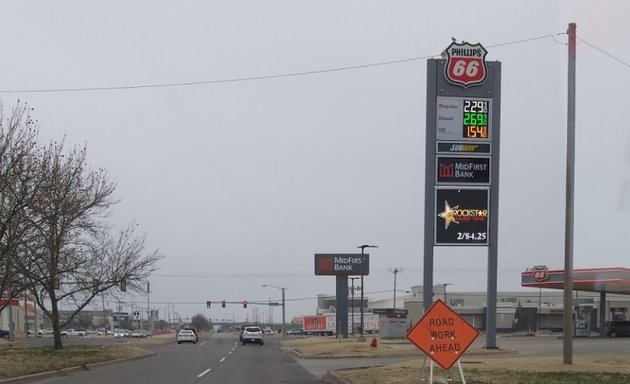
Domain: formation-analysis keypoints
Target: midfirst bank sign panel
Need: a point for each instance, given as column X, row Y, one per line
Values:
column 342, row 264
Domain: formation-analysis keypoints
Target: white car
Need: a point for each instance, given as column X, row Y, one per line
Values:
column 42, row 332
column 253, row 334
column 74, row 332
column 122, row 333
column 186, row 335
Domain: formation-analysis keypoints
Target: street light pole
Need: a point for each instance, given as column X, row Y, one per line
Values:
column 352, row 321
column 362, row 284
column 445, row 284
column 283, row 307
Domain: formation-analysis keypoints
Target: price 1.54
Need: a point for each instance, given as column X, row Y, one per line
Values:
column 476, row 132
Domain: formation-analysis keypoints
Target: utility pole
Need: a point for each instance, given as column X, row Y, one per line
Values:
column 567, row 334
column 149, row 325
column 395, row 271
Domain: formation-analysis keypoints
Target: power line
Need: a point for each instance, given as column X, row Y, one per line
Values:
column 605, row 53
column 254, row 78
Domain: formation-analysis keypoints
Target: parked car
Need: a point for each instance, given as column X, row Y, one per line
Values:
column 122, row 333
column 4, row 334
column 618, row 328
column 186, row 336
column 74, row 332
column 47, row 331
column 253, row 334
column 140, row 333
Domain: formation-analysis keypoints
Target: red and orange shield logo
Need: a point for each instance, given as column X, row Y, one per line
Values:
column 465, row 64
column 541, row 273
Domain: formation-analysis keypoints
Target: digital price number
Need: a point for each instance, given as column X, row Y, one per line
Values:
column 463, row 118
column 475, row 121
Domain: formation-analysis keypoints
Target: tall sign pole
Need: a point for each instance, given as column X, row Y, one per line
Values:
column 462, row 162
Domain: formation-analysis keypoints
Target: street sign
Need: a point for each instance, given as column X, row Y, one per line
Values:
column 442, row 334
column 461, row 216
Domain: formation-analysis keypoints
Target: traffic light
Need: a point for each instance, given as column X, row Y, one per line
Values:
column 244, row 303
column 223, row 303
column 123, row 285
column 208, row 304
column 96, row 285
column 56, row 283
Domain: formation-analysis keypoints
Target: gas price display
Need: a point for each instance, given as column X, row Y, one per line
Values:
column 464, row 118
column 475, row 119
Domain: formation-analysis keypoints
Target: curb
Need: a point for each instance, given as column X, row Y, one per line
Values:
column 333, row 378
column 64, row 371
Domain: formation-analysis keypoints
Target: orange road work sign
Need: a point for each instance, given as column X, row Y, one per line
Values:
column 442, row 334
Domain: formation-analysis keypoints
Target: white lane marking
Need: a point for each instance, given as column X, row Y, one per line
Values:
column 202, row 374
column 222, row 360
column 203, row 342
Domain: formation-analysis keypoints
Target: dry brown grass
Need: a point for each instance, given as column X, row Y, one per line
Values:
column 497, row 369
column 17, row 361
column 479, row 365
column 332, row 347
column 24, row 361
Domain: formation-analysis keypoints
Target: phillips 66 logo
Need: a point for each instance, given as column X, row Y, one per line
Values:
column 465, row 64
column 541, row 273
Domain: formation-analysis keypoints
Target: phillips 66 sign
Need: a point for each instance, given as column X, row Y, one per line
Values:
column 465, row 64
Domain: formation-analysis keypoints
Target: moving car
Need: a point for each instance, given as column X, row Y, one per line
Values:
column 190, row 328
column 48, row 331
column 186, row 335
column 253, row 334
column 4, row 334
column 240, row 336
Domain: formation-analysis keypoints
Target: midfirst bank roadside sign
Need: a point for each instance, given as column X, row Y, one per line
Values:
column 342, row 264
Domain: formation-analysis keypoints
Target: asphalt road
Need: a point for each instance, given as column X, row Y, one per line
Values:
column 219, row 360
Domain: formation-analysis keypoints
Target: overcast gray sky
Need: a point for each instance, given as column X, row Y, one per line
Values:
column 239, row 183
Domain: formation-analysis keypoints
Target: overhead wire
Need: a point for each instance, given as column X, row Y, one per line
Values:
column 255, row 78
column 605, row 53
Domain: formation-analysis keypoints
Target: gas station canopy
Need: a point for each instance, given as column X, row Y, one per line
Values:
column 608, row 280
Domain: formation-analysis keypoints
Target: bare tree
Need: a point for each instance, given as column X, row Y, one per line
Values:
column 200, row 322
column 18, row 187
column 72, row 256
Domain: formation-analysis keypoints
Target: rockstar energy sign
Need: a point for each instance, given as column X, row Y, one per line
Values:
column 461, row 216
